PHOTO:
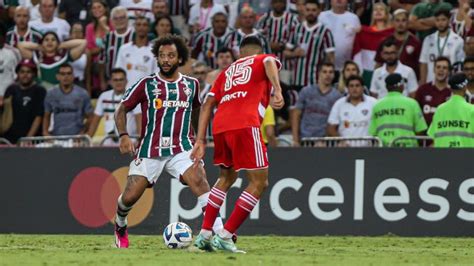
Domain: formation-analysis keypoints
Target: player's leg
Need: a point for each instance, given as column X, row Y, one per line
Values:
column 142, row 173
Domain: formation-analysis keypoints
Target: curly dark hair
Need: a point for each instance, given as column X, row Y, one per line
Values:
column 178, row 41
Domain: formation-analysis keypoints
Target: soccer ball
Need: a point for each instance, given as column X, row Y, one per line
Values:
column 177, row 235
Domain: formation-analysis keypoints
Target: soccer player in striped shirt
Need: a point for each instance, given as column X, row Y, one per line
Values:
column 311, row 44
column 22, row 32
column 244, row 88
column 208, row 42
column 167, row 99
column 247, row 22
column 277, row 26
column 113, row 41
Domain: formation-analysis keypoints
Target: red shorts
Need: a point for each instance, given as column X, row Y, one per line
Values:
column 241, row 149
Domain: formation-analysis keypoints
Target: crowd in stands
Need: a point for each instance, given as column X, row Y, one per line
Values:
column 65, row 64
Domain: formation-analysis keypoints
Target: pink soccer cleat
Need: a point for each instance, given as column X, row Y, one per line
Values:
column 121, row 236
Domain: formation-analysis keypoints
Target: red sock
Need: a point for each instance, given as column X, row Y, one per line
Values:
column 243, row 207
column 216, row 197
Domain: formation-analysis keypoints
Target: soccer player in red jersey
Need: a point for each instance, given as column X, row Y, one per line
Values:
column 244, row 89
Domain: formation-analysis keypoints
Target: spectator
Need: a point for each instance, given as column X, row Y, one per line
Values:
column 247, row 22
column 301, row 10
column 7, row 11
column 160, row 8
column 74, row 11
column 369, row 38
column 224, row 58
column 268, row 128
column 462, row 17
column 70, row 105
column 406, row 5
column 469, row 71
column 350, row 69
column 27, row 103
column 443, row 42
column 310, row 114
column 199, row 72
column 409, row 47
column 201, row 13
column 22, row 32
column 453, row 125
column 422, row 16
column 108, row 102
column 208, row 42
column 79, row 65
column 346, row 24
column 9, row 58
column 179, row 12
column 396, row 115
column 350, row 115
column 469, row 46
column 113, row 40
column 163, row 26
column 310, row 44
column 48, row 22
column 50, row 53
column 392, row 65
column 33, row 7
column 278, row 26
column 430, row 95
column 95, row 34
column 136, row 57
column 137, row 8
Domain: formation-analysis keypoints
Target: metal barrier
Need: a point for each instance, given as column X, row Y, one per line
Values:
column 5, row 142
column 423, row 141
column 113, row 140
column 66, row 141
column 341, row 142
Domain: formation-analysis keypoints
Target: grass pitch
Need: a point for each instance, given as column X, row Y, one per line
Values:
column 262, row 250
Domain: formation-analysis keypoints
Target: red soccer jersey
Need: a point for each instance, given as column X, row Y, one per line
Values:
column 429, row 97
column 242, row 93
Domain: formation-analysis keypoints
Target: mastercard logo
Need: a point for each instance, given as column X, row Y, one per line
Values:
column 93, row 195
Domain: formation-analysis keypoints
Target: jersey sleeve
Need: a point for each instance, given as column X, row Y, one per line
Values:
column 216, row 87
column 432, row 130
column 48, row 106
column 333, row 118
column 424, row 55
column 300, row 102
column 99, row 108
column 272, row 57
column 328, row 42
column 135, row 94
column 412, row 83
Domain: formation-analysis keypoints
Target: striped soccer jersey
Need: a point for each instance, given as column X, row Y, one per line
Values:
column 234, row 39
column 178, row 7
column 278, row 29
column 316, row 41
column 166, row 114
column 207, row 44
column 113, row 41
column 32, row 35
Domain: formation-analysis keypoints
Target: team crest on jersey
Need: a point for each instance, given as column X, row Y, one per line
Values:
column 186, row 83
column 165, row 141
column 365, row 111
column 187, row 91
column 137, row 161
column 428, row 98
column 346, row 113
column 410, row 49
column 146, row 58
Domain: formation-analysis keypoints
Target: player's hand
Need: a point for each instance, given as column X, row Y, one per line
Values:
column 300, row 52
column 198, row 152
column 276, row 101
column 126, row 145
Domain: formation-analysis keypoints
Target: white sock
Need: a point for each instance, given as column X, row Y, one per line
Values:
column 206, row 233
column 122, row 212
column 202, row 200
column 225, row 234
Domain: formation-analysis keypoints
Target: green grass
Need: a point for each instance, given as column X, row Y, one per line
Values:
column 262, row 250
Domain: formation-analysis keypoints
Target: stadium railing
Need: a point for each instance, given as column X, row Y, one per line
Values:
column 66, row 141
column 423, row 141
column 341, row 142
column 5, row 142
column 112, row 141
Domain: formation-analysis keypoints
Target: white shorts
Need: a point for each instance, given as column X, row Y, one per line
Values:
column 151, row 168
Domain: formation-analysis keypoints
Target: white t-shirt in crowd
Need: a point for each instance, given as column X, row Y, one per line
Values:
column 135, row 9
column 79, row 67
column 344, row 28
column 57, row 25
column 106, row 105
column 453, row 49
column 9, row 58
column 352, row 120
column 137, row 61
column 377, row 84
column 203, row 16
column 34, row 9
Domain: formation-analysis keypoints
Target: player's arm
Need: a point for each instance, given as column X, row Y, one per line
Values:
column 204, row 117
column 271, row 70
column 126, row 144
column 423, row 73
